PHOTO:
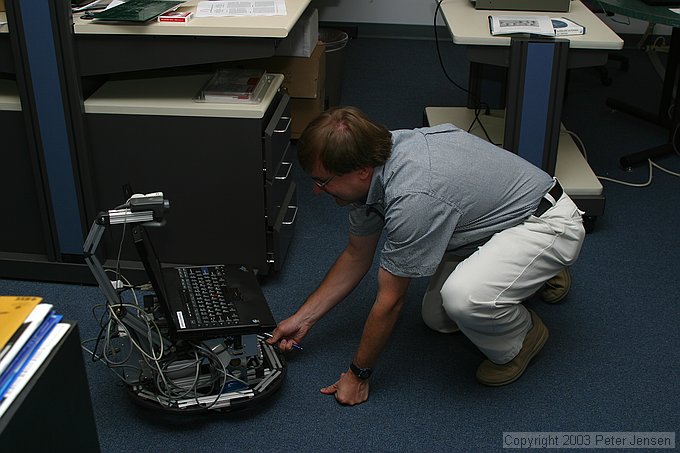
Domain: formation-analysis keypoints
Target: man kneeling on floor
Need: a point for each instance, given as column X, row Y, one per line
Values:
column 442, row 196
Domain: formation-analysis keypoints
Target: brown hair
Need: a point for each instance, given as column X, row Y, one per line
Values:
column 343, row 139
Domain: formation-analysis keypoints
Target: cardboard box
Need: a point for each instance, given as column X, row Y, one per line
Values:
column 303, row 76
column 302, row 39
column 304, row 110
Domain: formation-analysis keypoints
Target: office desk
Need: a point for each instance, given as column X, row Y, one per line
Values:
column 105, row 48
column 470, row 27
column 658, row 15
column 66, row 60
column 226, row 169
column 237, row 179
column 255, row 26
column 535, row 88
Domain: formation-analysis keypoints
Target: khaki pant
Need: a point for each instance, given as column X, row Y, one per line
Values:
column 482, row 294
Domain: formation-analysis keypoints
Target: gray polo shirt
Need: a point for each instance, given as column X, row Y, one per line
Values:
column 444, row 189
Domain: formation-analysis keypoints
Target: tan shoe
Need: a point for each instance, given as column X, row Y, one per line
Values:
column 557, row 287
column 495, row 375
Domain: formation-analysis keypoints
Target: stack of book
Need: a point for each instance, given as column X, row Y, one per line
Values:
column 235, row 86
column 29, row 330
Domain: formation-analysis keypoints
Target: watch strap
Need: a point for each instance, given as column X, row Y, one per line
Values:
column 361, row 373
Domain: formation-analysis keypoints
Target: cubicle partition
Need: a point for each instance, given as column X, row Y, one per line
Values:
column 29, row 243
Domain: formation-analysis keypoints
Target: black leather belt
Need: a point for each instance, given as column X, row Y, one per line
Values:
column 545, row 204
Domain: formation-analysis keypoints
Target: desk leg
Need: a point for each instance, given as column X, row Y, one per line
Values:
column 661, row 118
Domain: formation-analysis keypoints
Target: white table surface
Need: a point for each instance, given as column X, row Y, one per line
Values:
column 471, row 27
column 255, row 26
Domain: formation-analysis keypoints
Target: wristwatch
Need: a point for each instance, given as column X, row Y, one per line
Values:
column 361, row 373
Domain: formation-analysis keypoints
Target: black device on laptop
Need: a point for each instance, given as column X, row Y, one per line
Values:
column 202, row 302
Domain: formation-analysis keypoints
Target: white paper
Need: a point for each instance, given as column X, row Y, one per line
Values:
column 506, row 25
column 241, row 8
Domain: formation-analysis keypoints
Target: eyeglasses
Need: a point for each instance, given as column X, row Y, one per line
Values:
column 322, row 183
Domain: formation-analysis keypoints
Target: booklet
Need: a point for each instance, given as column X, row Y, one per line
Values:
column 136, row 10
column 535, row 25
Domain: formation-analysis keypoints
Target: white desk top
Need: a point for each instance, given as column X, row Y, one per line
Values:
column 471, row 27
column 9, row 96
column 257, row 26
column 171, row 96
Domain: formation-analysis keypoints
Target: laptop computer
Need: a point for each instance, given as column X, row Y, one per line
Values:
column 202, row 302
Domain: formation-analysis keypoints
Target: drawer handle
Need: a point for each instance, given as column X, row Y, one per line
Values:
column 290, row 165
column 291, row 221
column 279, row 131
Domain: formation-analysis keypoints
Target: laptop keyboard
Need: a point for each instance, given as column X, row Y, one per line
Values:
column 210, row 302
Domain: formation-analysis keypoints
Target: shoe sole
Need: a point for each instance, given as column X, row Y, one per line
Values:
column 544, row 334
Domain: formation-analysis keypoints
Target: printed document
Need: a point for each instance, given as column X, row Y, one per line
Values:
column 241, row 8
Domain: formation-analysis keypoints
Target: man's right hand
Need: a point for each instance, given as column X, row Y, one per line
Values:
column 288, row 333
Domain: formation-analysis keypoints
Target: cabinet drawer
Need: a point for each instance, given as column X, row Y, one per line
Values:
column 279, row 237
column 276, row 189
column 276, row 137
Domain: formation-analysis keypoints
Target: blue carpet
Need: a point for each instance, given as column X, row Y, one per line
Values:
column 612, row 360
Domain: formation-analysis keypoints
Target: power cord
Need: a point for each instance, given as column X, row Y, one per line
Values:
column 651, row 164
column 439, row 54
column 477, row 101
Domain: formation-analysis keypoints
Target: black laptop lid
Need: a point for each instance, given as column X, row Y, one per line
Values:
column 152, row 265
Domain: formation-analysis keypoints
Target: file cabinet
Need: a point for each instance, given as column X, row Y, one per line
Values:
column 225, row 168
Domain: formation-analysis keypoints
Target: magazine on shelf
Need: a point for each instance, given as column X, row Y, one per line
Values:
column 534, row 25
column 235, row 86
column 33, row 364
column 13, row 313
column 23, row 334
column 26, row 353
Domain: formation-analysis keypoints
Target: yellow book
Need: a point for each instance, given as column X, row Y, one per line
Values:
column 13, row 313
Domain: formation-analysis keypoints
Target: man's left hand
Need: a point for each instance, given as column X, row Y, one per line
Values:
column 349, row 390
